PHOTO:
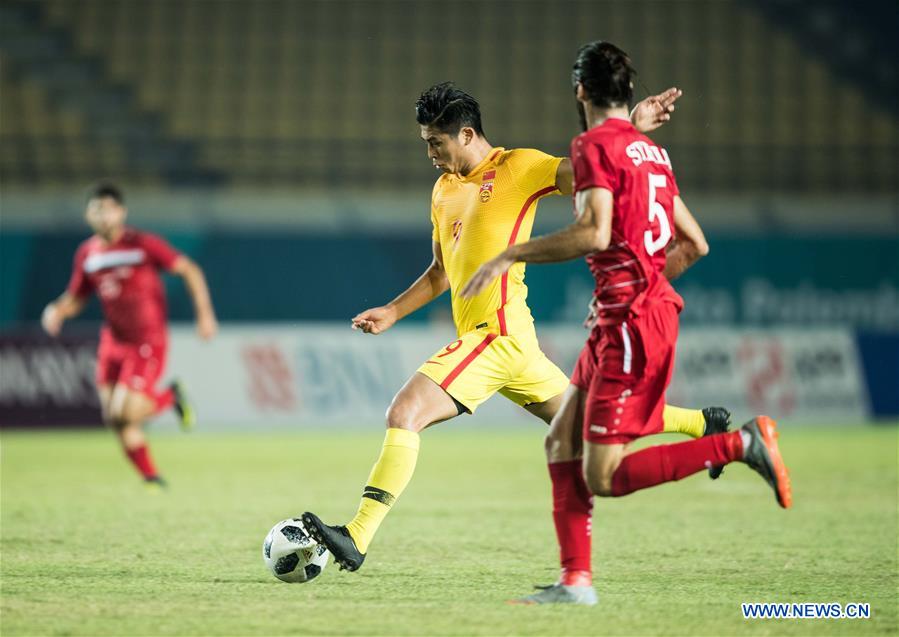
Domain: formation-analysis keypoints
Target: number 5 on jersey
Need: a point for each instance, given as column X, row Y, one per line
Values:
column 656, row 211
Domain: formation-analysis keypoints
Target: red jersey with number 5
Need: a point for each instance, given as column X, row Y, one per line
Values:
column 629, row 273
column 125, row 276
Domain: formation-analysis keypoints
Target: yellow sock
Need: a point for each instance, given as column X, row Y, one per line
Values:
column 386, row 482
column 684, row 421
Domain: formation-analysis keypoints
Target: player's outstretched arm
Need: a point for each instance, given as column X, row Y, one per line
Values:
column 690, row 244
column 591, row 232
column 59, row 311
column 647, row 116
column 655, row 110
column 431, row 284
column 195, row 282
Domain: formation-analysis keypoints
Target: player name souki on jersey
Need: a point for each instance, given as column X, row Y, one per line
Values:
column 616, row 157
column 477, row 216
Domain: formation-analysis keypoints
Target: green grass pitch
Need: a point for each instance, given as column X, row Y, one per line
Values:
column 86, row 551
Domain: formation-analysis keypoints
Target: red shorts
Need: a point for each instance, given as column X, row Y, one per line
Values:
column 625, row 369
column 136, row 365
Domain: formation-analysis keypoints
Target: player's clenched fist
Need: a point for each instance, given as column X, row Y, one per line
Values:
column 375, row 320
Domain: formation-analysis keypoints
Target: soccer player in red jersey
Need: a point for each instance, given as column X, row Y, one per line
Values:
column 637, row 234
column 122, row 266
column 484, row 201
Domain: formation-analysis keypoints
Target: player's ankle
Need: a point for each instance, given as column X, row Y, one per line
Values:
column 356, row 536
column 575, row 577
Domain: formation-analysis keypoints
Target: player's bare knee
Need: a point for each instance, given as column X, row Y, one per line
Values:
column 114, row 418
column 556, row 447
column 550, row 445
column 131, row 435
column 107, row 417
column 132, row 415
column 401, row 416
column 560, row 446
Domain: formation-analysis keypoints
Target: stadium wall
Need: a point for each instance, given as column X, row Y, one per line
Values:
column 285, row 357
column 256, row 376
column 262, row 276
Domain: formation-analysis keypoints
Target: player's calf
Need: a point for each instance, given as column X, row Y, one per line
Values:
column 601, row 464
column 600, row 485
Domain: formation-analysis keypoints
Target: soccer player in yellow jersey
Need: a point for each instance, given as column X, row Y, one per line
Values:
column 483, row 202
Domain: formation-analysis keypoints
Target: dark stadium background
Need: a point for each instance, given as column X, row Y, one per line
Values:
column 274, row 141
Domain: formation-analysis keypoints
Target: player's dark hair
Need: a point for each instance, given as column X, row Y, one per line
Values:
column 606, row 74
column 106, row 189
column 448, row 109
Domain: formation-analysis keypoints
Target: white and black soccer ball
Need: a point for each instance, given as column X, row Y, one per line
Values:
column 291, row 554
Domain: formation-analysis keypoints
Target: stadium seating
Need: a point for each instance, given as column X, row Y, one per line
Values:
column 320, row 94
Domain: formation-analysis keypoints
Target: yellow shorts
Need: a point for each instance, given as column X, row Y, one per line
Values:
column 480, row 363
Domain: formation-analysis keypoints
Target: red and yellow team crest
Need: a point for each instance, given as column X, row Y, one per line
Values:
column 487, row 186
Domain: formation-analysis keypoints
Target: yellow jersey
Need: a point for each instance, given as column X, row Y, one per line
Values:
column 477, row 216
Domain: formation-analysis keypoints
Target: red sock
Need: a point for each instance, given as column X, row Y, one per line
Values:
column 140, row 458
column 572, row 511
column 665, row 463
column 164, row 399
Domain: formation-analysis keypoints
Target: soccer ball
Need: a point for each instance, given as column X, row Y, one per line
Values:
column 291, row 554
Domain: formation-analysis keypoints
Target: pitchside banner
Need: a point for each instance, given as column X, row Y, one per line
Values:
column 47, row 383
column 310, row 375
column 327, row 374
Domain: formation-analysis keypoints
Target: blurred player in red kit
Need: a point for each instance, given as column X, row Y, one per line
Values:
column 636, row 234
column 122, row 266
